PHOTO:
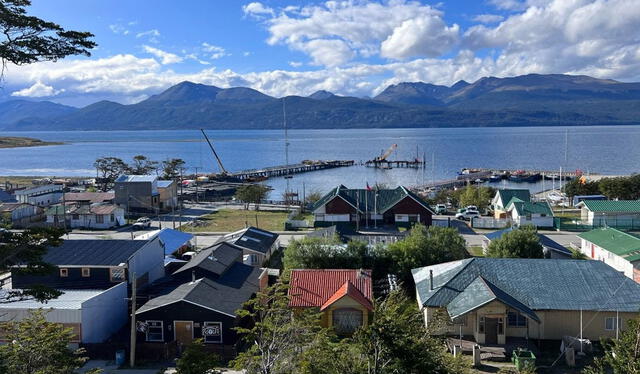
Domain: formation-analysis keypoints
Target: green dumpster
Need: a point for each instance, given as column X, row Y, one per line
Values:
column 523, row 358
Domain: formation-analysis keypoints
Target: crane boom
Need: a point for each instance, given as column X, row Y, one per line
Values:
column 222, row 169
column 387, row 153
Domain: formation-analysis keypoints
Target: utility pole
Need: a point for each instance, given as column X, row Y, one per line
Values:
column 197, row 201
column 132, row 352
column 64, row 210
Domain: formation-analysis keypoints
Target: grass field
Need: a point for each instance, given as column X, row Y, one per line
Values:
column 15, row 142
column 475, row 251
column 226, row 220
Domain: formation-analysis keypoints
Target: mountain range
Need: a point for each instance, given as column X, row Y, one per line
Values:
column 527, row 100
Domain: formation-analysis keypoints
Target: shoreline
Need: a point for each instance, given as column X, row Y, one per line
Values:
column 7, row 142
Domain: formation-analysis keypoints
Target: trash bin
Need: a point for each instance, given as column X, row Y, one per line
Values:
column 120, row 357
column 523, row 358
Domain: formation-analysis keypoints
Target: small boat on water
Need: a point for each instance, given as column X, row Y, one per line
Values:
column 521, row 176
column 495, row 178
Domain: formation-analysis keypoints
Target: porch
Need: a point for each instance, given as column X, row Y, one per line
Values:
column 492, row 352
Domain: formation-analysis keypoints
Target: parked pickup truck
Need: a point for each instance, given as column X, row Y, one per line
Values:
column 142, row 223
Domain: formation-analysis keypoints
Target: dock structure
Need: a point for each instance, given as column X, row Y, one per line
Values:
column 389, row 164
column 460, row 181
column 489, row 171
column 285, row 170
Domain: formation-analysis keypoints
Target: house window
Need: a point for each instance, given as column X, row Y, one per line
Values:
column 212, row 332
column 481, row 325
column 116, row 274
column 75, row 217
column 86, row 272
column 347, row 320
column 64, row 272
column 515, row 319
column 500, row 326
column 155, row 331
column 113, row 217
column 99, row 218
column 611, row 323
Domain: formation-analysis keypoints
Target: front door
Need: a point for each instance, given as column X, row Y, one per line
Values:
column 184, row 332
column 491, row 331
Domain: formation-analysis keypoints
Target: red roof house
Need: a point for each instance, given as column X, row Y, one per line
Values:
column 343, row 296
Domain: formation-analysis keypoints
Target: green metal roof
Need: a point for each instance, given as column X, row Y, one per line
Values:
column 528, row 207
column 612, row 206
column 615, row 241
column 481, row 292
column 539, row 284
column 370, row 200
column 507, row 194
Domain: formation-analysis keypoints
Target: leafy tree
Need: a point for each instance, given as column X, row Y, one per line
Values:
column 395, row 341
column 313, row 197
column 27, row 248
column 425, row 246
column 39, row 347
column 275, row 337
column 576, row 187
column 520, row 243
column 173, row 168
column 621, row 356
column 108, row 169
column 473, row 195
column 141, row 165
column 577, row 255
column 27, row 39
column 624, row 188
column 252, row 193
column 5, row 220
column 196, row 360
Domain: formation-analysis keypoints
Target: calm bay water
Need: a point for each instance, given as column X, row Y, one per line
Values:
column 605, row 150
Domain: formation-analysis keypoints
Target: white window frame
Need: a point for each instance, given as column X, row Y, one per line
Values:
column 613, row 319
column 111, row 271
column 64, row 272
column 208, row 323
column 161, row 329
column 88, row 272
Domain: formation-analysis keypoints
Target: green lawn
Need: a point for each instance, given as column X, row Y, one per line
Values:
column 227, row 220
column 475, row 251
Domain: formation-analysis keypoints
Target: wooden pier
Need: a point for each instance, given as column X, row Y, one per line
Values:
column 285, row 170
column 489, row 171
column 389, row 164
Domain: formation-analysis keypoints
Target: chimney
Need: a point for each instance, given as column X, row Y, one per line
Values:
column 430, row 280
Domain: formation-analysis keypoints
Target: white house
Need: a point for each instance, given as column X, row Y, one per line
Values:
column 538, row 214
column 616, row 248
column 18, row 211
column 41, row 196
column 94, row 315
column 610, row 212
column 503, row 198
column 95, row 216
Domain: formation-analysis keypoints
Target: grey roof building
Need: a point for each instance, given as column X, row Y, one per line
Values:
column 494, row 299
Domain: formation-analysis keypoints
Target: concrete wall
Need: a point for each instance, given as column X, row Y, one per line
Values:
column 104, row 314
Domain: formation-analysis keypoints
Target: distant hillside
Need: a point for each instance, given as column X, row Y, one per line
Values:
column 528, row 100
column 16, row 110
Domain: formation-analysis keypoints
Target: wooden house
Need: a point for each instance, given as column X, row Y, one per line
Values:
column 257, row 245
column 616, row 248
column 371, row 207
column 503, row 197
column 343, row 296
column 97, row 264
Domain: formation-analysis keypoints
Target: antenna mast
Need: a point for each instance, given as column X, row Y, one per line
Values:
column 286, row 149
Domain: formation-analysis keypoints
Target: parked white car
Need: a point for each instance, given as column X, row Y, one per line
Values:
column 142, row 223
column 467, row 215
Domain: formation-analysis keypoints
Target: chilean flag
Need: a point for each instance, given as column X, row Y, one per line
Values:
column 368, row 187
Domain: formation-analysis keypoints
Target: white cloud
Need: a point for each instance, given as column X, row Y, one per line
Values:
column 359, row 28
column 295, row 64
column 38, row 89
column 151, row 35
column 512, row 5
column 246, row 53
column 427, row 36
column 165, row 57
column 118, row 29
column 488, row 18
column 257, row 9
column 215, row 51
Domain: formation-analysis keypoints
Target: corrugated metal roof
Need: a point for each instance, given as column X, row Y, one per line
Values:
column 256, row 239
column 225, row 295
column 70, row 299
column 39, row 189
column 540, row 284
column 172, row 239
column 164, row 183
column 371, row 200
column 313, row 287
column 136, row 178
column 215, row 259
column 507, row 194
column 614, row 241
column 97, row 252
column 526, row 207
column 92, row 197
column 348, row 289
column 612, row 206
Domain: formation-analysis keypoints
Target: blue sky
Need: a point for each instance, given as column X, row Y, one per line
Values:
column 351, row 47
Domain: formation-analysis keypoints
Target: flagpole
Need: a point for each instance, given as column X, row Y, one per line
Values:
column 375, row 208
column 366, row 207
